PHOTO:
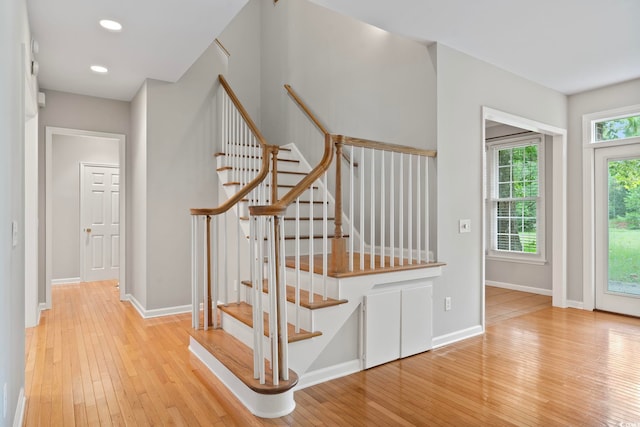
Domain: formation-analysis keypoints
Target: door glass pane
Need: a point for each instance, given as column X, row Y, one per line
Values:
column 624, row 226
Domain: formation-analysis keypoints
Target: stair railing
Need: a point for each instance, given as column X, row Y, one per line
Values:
column 386, row 223
column 246, row 161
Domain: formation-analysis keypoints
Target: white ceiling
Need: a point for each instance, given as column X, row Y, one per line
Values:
column 567, row 45
column 160, row 40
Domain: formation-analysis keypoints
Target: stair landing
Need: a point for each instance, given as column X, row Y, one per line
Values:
column 377, row 268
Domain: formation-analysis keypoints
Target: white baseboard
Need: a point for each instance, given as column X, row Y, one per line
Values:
column 453, row 337
column 329, row 373
column 156, row 312
column 521, row 288
column 18, row 418
column 575, row 304
column 66, row 281
column 41, row 307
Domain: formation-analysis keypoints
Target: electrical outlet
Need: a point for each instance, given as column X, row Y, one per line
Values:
column 447, row 304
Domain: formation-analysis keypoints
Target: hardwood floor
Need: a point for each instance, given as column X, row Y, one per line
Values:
column 503, row 304
column 94, row 361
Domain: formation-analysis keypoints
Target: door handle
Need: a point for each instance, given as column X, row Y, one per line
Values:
column 88, row 230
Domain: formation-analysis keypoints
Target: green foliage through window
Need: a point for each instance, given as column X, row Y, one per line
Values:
column 516, row 188
column 626, row 127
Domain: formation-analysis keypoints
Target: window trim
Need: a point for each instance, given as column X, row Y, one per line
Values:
column 539, row 258
column 589, row 126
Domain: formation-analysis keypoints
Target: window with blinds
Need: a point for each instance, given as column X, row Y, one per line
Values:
column 516, row 198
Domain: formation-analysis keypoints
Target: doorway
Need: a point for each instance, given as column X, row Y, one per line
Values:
column 617, row 233
column 557, row 148
column 61, row 227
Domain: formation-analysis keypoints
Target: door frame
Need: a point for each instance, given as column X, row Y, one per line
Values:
column 50, row 131
column 558, row 200
column 83, row 247
column 588, row 197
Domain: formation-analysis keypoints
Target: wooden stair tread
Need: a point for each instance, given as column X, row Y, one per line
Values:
column 244, row 313
column 317, row 303
column 226, row 168
column 291, row 218
column 317, row 265
column 306, row 237
column 238, row 358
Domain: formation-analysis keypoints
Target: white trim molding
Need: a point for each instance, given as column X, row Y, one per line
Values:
column 454, row 337
column 18, row 417
column 156, row 312
column 558, row 198
column 588, row 195
column 521, row 288
column 65, row 281
column 329, row 373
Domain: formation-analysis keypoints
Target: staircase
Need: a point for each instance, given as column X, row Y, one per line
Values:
column 287, row 291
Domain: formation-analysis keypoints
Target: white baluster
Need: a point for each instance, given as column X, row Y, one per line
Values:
column 297, row 261
column 205, row 295
column 372, row 209
column 282, row 303
column 325, row 237
column 401, row 210
column 351, row 218
column 214, row 274
column 195, row 303
column 418, row 210
column 392, row 211
column 410, row 210
column 382, row 208
column 239, row 240
column 254, row 286
column 273, row 323
column 311, row 231
column 225, row 268
column 362, row 170
column 426, row 209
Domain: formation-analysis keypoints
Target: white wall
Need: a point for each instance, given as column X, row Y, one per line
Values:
column 606, row 98
column 14, row 37
column 137, row 199
column 72, row 111
column 359, row 80
column 67, row 154
column 465, row 85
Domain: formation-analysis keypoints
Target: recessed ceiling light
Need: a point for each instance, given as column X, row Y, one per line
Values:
column 99, row 69
column 110, row 25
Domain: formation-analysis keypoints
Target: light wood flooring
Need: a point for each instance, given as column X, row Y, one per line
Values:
column 94, row 361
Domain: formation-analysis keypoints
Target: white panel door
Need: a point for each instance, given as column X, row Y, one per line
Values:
column 381, row 328
column 417, row 334
column 100, row 221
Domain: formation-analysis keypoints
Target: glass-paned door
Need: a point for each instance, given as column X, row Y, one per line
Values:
column 617, row 197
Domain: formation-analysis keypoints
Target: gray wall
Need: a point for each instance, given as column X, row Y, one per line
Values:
column 518, row 273
column 14, row 36
column 68, row 152
column 72, row 111
column 465, row 84
column 137, row 199
column 606, row 98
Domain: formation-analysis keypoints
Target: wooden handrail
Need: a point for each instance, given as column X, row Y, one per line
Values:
column 264, row 167
column 377, row 145
column 279, row 207
column 313, row 118
column 254, row 129
column 262, row 174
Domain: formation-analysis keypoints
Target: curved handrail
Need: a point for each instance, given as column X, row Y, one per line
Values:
column 262, row 174
column 280, row 206
column 264, row 167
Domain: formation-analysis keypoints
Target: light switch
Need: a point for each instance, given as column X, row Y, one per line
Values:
column 465, row 226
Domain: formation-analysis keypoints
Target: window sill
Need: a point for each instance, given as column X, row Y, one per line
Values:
column 516, row 259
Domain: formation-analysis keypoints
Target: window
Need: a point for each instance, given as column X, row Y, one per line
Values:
column 618, row 128
column 516, row 199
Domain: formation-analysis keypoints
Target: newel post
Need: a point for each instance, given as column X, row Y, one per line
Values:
column 339, row 243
